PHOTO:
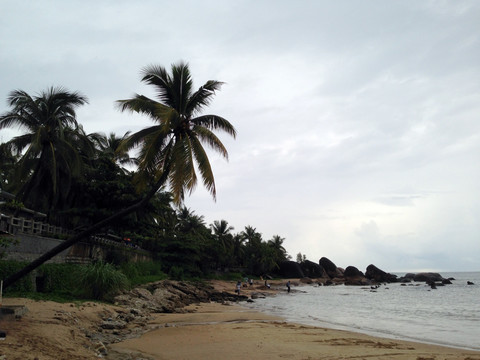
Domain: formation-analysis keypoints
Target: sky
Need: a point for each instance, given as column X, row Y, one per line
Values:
column 358, row 121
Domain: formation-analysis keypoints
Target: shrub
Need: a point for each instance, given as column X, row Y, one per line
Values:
column 101, row 280
column 143, row 272
column 59, row 278
column 24, row 284
column 176, row 273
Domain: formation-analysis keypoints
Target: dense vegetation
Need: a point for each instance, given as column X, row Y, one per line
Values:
column 79, row 179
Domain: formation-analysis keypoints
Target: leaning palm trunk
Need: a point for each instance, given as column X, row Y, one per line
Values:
column 170, row 149
column 83, row 235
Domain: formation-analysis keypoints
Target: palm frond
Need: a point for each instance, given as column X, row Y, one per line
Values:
column 214, row 122
column 202, row 97
column 207, row 136
column 204, row 166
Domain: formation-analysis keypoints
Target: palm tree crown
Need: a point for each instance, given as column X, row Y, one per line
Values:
column 172, row 148
column 52, row 146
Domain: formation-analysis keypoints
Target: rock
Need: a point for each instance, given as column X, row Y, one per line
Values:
column 428, row 277
column 352, row 272
column 374, row 273
column 330, row 268
column 353, row 276
column 290, row 270
column 470, row 283
column 113, row 324
column 312, row 270
column 101, row 349
column 169, row 296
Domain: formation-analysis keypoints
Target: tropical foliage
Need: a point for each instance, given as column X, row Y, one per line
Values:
column 80, row 179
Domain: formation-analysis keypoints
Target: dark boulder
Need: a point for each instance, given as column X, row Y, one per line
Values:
column 353, row 276
column 470, row 283
column 352, row 272
column 375, row 274
column 290, row 270
column 312, row 270
column 428, row 277
column 330, row 268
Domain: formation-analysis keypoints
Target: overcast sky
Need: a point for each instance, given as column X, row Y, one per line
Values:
column 358, row 121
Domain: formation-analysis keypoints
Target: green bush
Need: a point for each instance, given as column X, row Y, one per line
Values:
column 176, row 273
column 23, row 285
column 59, row 278
column 143, row 272
column 101, row 280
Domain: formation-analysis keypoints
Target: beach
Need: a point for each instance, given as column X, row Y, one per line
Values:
column 211, row 330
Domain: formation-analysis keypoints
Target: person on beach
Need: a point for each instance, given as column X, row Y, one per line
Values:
column 288, row 286
column 239, row 285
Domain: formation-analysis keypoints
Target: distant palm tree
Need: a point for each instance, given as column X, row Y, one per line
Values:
column 51, row 148
column 251, row 235
column 276, row 243
column 110, row 147
column 169, row 150
column 189, row 222
column 223, row 233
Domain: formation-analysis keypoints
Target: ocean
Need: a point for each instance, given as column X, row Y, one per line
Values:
column 448, row 315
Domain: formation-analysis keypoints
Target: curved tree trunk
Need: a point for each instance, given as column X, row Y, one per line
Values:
column 76, row 238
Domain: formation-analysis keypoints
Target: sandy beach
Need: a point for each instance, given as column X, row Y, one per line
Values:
column 203, row 331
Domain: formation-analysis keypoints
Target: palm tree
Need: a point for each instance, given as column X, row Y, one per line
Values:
column 277, row 244
column 50, row 149
column 109, row 147
column 189, row 222
column 223, row 233
column 170, row 149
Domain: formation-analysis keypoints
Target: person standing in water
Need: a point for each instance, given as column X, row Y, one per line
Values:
column 288, row 286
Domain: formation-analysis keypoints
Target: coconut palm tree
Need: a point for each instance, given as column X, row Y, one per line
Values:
column 51, row 147
column 170, row 149
column 109, row 147
column 277, row 244
column 223, row 233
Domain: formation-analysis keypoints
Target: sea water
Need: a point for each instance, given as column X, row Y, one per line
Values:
column 448, row 315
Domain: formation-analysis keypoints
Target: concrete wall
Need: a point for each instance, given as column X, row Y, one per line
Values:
column 30, row 247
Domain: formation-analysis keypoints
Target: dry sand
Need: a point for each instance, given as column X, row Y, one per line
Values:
column 209, row 331
column 217, row 331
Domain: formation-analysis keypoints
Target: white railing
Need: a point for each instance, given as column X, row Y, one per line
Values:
column 14, row 225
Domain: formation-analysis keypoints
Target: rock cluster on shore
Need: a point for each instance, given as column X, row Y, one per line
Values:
column 327, row 273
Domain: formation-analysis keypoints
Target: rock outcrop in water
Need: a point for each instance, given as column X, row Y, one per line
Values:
column 375, row 274
column 353, row 276
column 312, row 270
column 290, row 270
column 330, row 268
column 428, row 277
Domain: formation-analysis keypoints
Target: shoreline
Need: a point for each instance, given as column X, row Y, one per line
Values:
column 200, row 330
column 216, row 331
column 373, row 333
